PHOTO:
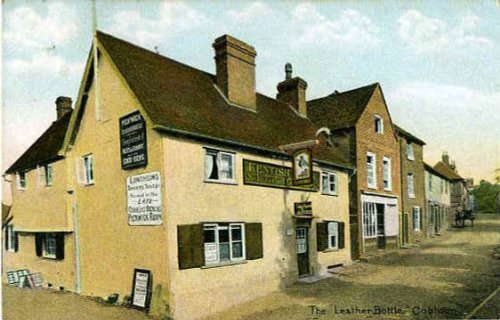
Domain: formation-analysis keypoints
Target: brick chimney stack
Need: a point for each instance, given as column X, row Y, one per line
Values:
column 293, row 91
column 446, row 158
column 235, row 70
column 63, row 106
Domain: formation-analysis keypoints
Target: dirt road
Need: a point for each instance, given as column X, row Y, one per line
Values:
column 444, row 278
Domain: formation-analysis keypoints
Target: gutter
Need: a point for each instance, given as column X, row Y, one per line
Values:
column 199, row 136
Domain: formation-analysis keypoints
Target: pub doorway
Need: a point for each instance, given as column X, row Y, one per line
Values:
column 302, row 244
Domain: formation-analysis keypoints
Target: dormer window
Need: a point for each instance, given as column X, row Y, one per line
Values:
column 379, row 125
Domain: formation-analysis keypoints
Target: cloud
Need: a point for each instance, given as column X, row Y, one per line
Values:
column 430, row 35
column 27, row 28
column 351, row 28
column 44, row 62
column 173, row 17
column 254, row 10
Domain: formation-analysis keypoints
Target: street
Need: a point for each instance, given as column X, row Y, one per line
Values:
column 445, row 277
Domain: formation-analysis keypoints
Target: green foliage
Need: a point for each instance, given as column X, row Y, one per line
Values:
column 486, row 196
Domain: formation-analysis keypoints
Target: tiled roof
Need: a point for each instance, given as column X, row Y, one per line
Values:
column 46, row 148
column 408, row 135
column 431, row 169
column 179, row 97
column 340, row 110
column 445, row 170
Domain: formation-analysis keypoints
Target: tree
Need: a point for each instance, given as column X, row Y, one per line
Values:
column 486, row 196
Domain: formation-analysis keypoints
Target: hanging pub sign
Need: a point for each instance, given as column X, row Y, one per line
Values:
column 144, row 199
column 141, row 289
column 302, row 167
column 303, row 208
column 133, row 142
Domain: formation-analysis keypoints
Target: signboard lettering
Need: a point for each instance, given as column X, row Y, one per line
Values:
column 141, row 290
column 303, row 208
column 270, row 175
column 133, row 142
column 144, row 199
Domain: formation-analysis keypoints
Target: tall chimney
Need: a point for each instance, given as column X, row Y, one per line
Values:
column 445, row 158
column 293, row 91
column 63, row 106
column 235, row 70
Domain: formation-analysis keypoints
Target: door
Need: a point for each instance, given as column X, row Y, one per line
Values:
column 302, row 250
column 381, row 225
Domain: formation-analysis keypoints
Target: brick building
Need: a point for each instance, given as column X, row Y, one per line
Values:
column 459, row 193
column 360, row 124
column 412, row 186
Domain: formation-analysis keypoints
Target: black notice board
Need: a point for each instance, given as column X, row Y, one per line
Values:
column 142, row 289
column 133, row 142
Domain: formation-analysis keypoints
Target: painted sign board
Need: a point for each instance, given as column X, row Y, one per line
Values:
column 270, row 175
column 303, row 208
column 144, row 203
column 141, row 288
column 302, row 167
column 133, row 142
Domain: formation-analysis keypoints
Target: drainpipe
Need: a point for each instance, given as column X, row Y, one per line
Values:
column 77, row 241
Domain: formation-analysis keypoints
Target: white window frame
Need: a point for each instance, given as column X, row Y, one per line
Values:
column 369, row 219
column 229, row 226
column 372, row 185
column 389, row 173
column 416, row 218
column 11, row 238
column 22, row 180
column 48, row 177
column 411, row 186
column 333, row 231
column 331, row 188
column 380, row 129
column 48, row 240
column 219, row 154
column 410, row 155
column 430, row 182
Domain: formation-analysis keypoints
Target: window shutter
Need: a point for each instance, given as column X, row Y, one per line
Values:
column 6, row 238
column 341, row 234
column 38, row 244
column 16, row 241
column 322, row 236
column 190, row 246
column 253, row 241
column 60, row 246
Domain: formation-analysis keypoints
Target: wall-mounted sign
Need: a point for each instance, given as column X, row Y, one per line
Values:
column 144, row 199
column 271, row 175
column 303, row 208
column 133, row 142
column 141, row 289
column 302, row 167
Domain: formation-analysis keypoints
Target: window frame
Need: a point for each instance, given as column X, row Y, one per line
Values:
column 430, row 182
column 22, row 180
column 418, row 211
column 48, row 168
column 219, row 154
column 50, row 236
column 330, row 235
column 88, row 175
column 389, row 173
column 373, row 185
column 329, row 191
column 11, row 238
column 369, row 220
column 380, row 129
column 412, row 184
column 222, row 226
column 410, row 152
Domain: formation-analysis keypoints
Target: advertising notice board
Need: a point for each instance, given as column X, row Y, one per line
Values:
column 144, row 204
column 133, row 142
column 141, row 288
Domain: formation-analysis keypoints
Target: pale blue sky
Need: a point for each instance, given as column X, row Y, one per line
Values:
column 437, row 61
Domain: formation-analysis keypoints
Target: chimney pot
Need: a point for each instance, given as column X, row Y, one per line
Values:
column 445, row 158
column 63, row 106
column 288, row 71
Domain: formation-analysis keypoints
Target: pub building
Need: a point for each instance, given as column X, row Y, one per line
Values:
column 179, row 191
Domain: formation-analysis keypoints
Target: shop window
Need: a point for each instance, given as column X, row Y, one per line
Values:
column 22, row 183
column 224, row 242
column 328, row 183
column 371, row 170
column 386, row 170
column 219, row 166
column 369, row 213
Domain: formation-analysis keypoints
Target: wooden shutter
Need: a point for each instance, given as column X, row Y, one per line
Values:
column 253, row 241
column 322, row 236
column 38, row 243
column 341, row 232
column 190, row 246
column 16, row 241
column 60, row 246
column 6, row 238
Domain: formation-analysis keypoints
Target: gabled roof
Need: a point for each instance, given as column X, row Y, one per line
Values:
column 408, row 135
column 340, row 110
column 5, row 213
column 431, row 169
column 178, row 97
column 46, row 148
column 445, row 170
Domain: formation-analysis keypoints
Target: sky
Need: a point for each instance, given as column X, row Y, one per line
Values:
column 438, row 62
